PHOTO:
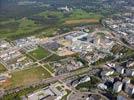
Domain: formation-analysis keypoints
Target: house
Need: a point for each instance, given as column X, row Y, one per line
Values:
column 117, row 86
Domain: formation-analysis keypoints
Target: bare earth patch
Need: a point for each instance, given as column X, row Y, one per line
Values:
column 82, row 21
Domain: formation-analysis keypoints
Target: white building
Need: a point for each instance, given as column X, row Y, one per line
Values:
column 102, row 86
column 85, row 79
column 117, row 87
column 107, row 73
column 74, row 36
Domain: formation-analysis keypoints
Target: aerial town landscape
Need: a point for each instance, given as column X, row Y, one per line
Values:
column 66, row 50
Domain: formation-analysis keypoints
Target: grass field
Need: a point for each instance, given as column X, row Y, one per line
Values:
column 39, row 53
column 2, row 68
column 28, row 76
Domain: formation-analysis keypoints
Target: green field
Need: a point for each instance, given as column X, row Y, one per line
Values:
column 28, row 76
column 46, row 23
column 2, row 68
column 39, row 53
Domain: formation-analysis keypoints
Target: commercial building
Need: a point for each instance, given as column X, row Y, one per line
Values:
column 76, row 35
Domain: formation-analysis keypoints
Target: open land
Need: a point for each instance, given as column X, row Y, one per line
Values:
column 27, row 76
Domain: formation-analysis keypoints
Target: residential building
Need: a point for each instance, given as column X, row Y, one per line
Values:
column 129, row 89
column 117, row 86
column 130, row 72
column 120, row 70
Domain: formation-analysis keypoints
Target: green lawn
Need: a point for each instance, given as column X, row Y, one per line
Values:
column 39, row 53
column 2, row 68
column 29, row 76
